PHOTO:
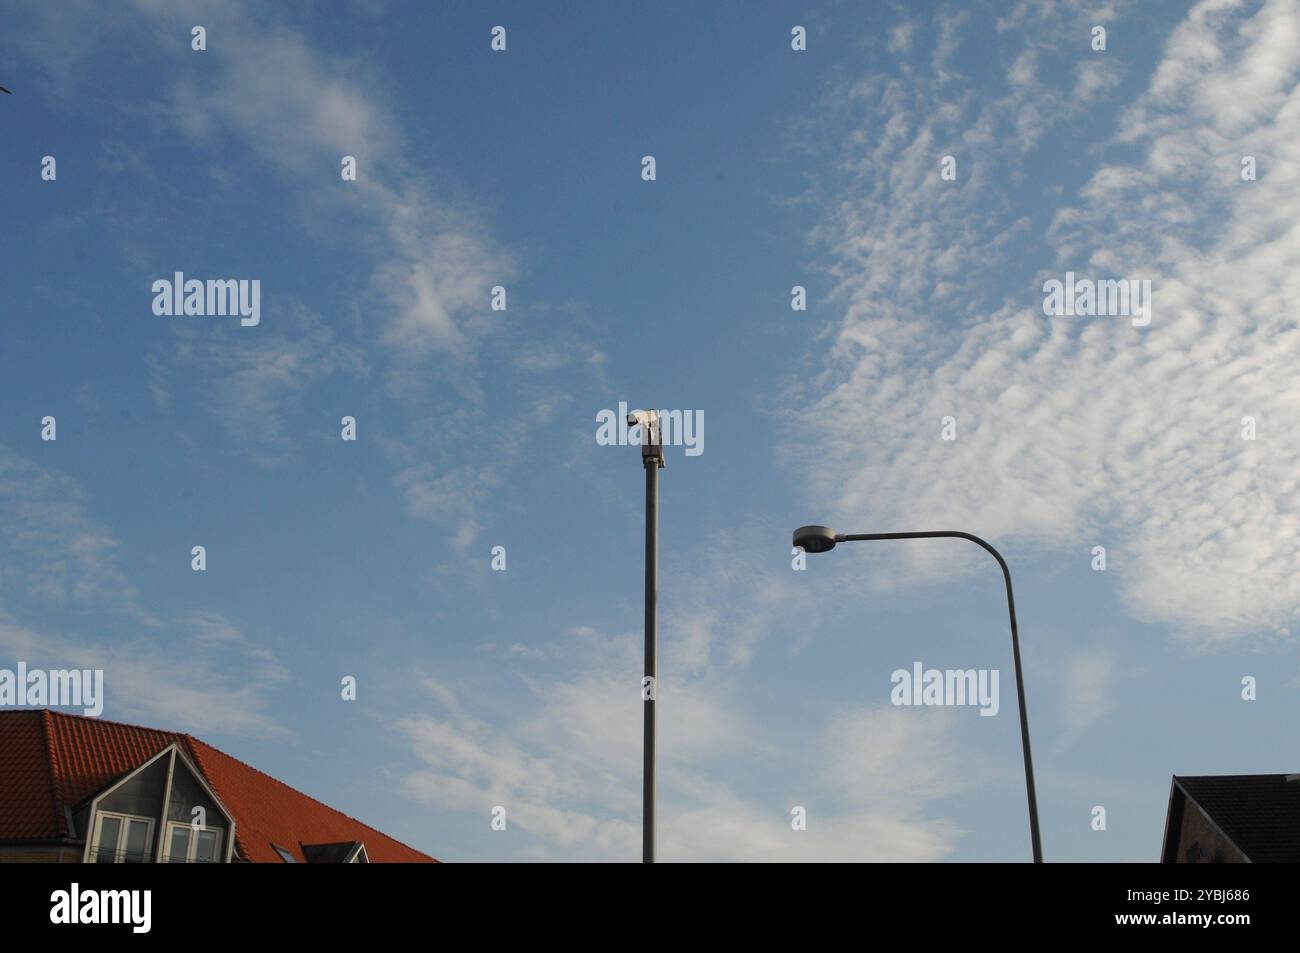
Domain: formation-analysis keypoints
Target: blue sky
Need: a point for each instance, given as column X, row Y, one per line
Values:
column 476, row 428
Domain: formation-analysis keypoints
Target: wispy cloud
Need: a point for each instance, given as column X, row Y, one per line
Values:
column 419, row 322
column 255, row 386
column 53, row 548
column 199, row 674
column 300, row 110
column 1077, row 431
column 1086, row 693
column 567, row 771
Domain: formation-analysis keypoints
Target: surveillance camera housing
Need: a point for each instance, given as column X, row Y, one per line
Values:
column 652, row 449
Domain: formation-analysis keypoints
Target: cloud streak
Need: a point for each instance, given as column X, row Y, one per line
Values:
column 1074, row 432
column 568, row 770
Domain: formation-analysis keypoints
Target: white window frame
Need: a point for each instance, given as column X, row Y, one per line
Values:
column 97, row 840
column 217, row 855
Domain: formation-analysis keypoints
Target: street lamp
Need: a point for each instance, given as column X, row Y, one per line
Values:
column 652, row 458
column 822, row 539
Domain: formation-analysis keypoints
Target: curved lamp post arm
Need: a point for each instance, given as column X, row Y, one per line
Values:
column 1015, row 654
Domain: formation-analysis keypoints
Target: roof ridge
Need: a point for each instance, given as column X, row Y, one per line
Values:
column 106, row 721
column 56, row 782
column 282, row 784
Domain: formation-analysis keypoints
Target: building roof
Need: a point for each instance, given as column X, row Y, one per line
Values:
column 55, row 761
column 1259, row 813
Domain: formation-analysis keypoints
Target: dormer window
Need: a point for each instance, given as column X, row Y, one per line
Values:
column 162, row 812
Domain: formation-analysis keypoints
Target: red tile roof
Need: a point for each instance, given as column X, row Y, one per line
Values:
column 54, row 761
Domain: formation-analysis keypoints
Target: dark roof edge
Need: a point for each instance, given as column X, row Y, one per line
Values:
column 1174, row 789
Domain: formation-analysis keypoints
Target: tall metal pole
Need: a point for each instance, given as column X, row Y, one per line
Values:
column 1015, row 655
column 652, row 458
column 648, row 690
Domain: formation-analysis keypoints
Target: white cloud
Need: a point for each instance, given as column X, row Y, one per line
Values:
column 199, row 672
column 567, row 769
column 1095, row 77
column 288, row 106
column 264, row 88
column 1086, row 693
column 1078, row 431
column 440, row 692
column 901, row 36
column 254, row 384
column 199, row 675
column 52, row 548
column 301, row 111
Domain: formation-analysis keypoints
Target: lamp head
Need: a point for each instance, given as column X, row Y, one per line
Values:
column 815, row 539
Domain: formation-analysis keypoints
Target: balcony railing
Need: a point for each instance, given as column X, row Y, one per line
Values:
column 105, row 856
